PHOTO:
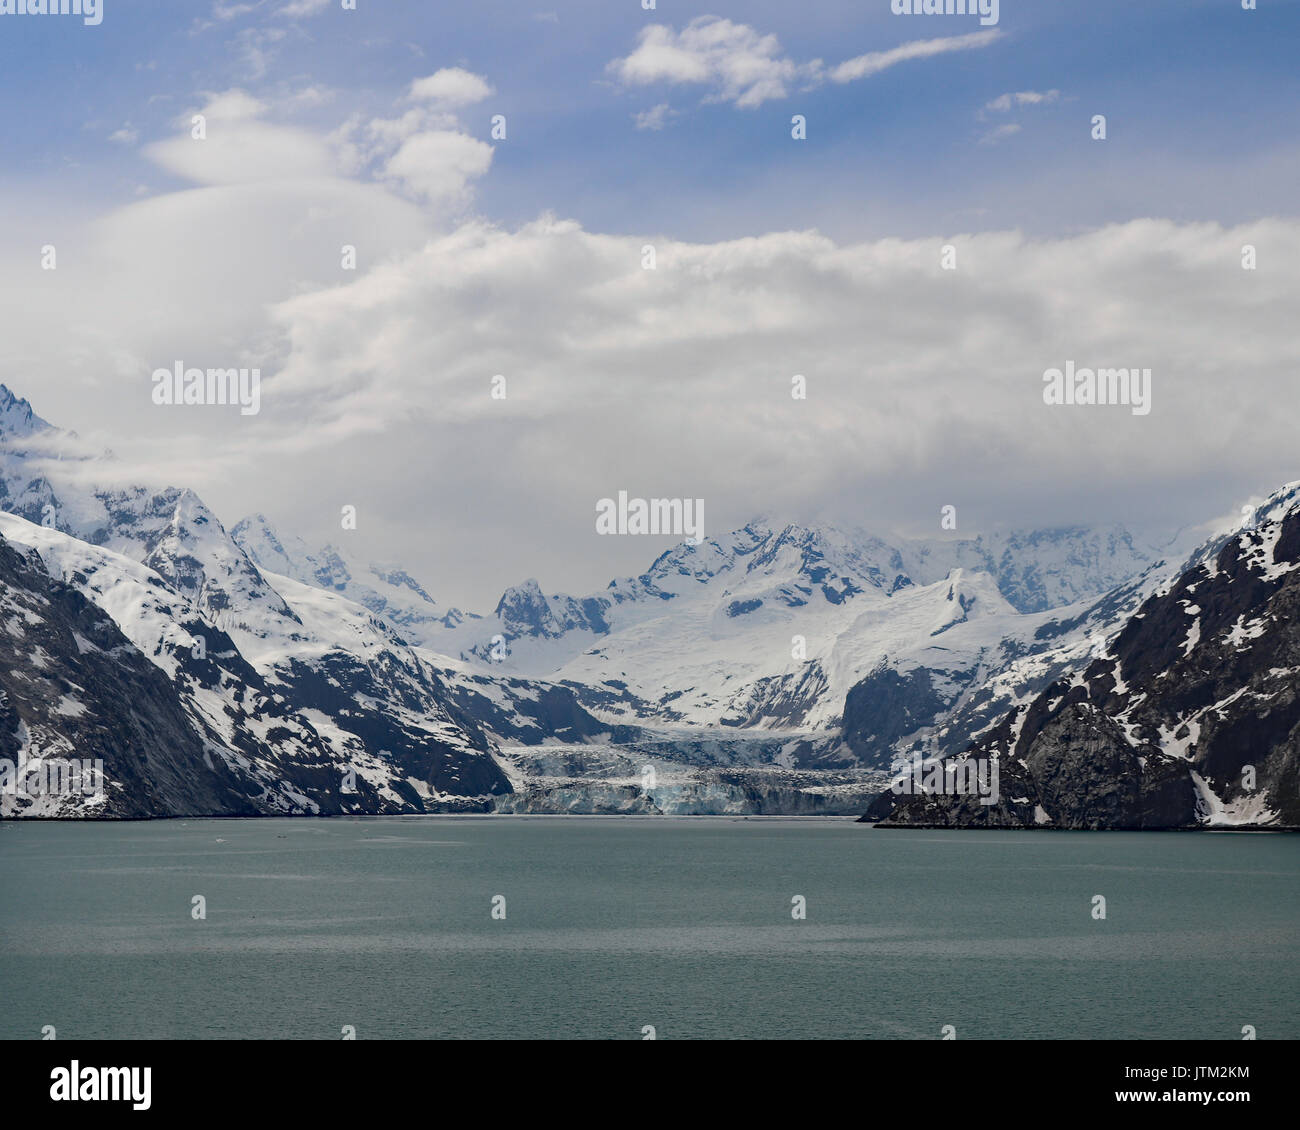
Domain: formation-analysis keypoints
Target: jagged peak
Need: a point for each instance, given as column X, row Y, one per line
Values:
column 251, row 521
column 1272, row 510
column 526, row 592
column 1278, row 504
column 16, row 415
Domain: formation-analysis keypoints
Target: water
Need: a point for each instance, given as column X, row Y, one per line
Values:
column 614, row 924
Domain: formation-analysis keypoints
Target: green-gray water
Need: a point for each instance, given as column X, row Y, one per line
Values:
column 615, row 924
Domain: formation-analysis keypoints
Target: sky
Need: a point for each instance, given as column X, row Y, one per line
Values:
column 523, row 256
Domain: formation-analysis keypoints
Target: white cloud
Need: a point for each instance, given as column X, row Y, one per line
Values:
column 189, row 275
column 1004, row 102
column 225, row 12
column 299, row 9
column 258, row 48
column 309, row 97
column 863, row 66
column 450, row 87
column 423, row 150
column 743, row 66
column 240, row 147
column 678, row 380
column 439, row 165
column 674, row 382
column 1008, row 129
column 747, row 68
column 233, row 105
column 127, row 135
column 390, row 132
column 654, row 118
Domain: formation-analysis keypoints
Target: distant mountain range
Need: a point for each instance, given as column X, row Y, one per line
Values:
column 773, row 627
column 779, row 668
column 386, row 590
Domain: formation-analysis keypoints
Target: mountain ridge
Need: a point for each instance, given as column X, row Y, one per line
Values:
column 1188, row 717
column 775, row 649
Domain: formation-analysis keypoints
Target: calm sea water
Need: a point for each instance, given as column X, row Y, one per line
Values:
column 615, row 924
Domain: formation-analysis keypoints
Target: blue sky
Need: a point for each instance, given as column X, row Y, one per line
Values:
column 522, row 257
column 1188, row 86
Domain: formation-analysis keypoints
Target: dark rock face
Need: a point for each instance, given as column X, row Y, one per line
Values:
column 1083, row 765
column 306, row 726
column 76, row 688
column 72, row 686
column 885, row 707
column 779, row 699
column 360, row 698
column 525, row 611
column 1192, row 719
column 534, row 713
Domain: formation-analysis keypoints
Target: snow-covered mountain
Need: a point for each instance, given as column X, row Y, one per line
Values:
column 769, row 628
column 740, row 669
column 1188, row 715
column 74, row 690
column 1036, row 570
column 772, row 627
column 795, row 567
column 306, row 700
column 387, row 590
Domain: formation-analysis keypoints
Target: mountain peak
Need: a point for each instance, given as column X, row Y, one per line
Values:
column 16, row 415
column 525, row 595
column 1276, row 505
column 385, row 590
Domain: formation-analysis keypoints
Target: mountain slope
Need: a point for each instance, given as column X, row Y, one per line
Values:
column 317, row 706
column 781, row 651
column 819, row 633
column 773, row 626
column 386, row 590
column 306, row 724
column 1190, row 717
column 73, row 687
